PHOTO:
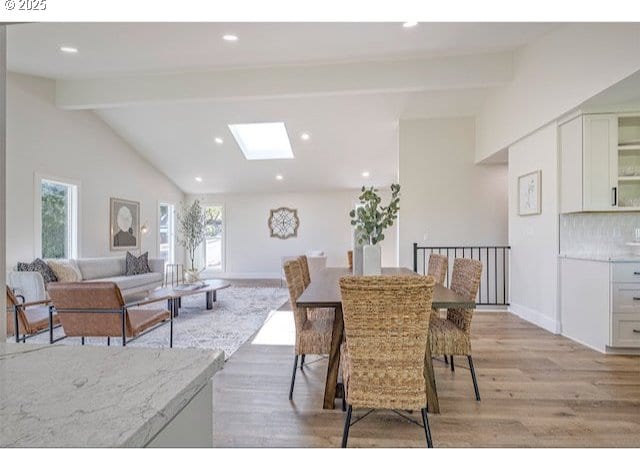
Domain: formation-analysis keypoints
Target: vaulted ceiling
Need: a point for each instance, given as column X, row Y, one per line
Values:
column 171, row 89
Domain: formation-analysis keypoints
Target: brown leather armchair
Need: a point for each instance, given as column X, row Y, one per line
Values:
column 28, row 318
column 97, row 309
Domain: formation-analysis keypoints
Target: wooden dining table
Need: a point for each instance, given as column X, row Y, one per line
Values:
column 324, row 291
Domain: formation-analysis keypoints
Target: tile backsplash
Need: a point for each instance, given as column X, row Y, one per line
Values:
column 602, row 234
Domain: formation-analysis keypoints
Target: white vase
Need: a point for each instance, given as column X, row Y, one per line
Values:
column 371, row 260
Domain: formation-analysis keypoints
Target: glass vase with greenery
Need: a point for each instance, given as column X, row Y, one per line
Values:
column 370, row 218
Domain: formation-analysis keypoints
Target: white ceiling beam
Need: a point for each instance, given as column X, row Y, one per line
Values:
column 472, row 71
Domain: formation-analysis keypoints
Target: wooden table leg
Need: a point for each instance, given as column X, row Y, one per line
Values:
column 210, row 299
column 430, row 380
column 334, row 361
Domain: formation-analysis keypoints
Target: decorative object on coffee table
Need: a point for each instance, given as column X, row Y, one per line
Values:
column 191, row 234
column 370, row 220
column 124, row 224
column 283, row 222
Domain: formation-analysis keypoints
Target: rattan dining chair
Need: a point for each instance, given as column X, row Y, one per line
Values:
column 313, row 313
column 438, row 267
column 313, row 335
column 386, row 322
column 452, row 336
column 306, row 276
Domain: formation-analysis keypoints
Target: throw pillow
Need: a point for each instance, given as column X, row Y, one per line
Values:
column 65, row 270
column 137, row 265
column 41, row 267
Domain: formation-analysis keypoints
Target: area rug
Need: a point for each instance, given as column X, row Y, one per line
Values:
column 238, row 313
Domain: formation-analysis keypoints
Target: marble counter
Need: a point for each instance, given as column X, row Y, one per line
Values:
column 87, row 396
column 602, row 257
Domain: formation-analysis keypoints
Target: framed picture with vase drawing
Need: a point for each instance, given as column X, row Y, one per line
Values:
column 529, row 193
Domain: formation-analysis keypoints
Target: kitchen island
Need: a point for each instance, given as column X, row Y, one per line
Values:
column 87, row 396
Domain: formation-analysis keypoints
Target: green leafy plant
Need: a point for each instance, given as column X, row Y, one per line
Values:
column 191, row 229
column 370, row 218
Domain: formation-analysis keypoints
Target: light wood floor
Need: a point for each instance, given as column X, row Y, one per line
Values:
column 538, row 389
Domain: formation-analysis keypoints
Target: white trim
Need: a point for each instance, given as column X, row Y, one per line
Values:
column 75, row 250
column 535, row 317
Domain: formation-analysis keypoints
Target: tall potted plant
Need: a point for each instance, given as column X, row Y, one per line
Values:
column 370, row 220
column 191, row 234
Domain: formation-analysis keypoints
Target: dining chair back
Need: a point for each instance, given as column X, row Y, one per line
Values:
column 386, row 322
column 304, row 266
column 465, row 280
column 438, row 266
column 295, row 284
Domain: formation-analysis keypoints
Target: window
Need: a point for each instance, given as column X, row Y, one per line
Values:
column 214, row 243
column 58, row 223
column 166, row 230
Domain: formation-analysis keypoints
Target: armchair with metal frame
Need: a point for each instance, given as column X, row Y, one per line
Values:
column 97, row 309
column 26, row 319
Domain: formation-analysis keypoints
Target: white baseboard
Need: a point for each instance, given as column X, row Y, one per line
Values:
column 535, row 317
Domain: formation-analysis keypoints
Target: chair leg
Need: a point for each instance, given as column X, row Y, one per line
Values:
column 347, row 424
column 427, row 429
column 473, row 376
column 82, row 340
column 446, row 359
column 108, row 341
column 293, row 376
column 453, row 368
column 302, row 363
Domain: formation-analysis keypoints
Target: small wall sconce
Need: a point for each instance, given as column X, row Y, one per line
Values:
column 144, row 229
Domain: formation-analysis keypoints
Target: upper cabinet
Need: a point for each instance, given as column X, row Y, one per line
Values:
column 600, row 163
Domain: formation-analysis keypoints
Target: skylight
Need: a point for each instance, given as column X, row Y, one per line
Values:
column 262, row 140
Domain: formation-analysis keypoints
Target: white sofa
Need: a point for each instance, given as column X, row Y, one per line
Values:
column 99, row 269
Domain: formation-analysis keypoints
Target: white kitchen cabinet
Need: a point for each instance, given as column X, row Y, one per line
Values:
column 600, row 303
column 600, row 163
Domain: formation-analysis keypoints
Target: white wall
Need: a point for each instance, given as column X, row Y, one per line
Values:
column 3, row 171
column 534, row 238
column 445, row 196
column 74, row 145
column 324, row 225
column 554, row 75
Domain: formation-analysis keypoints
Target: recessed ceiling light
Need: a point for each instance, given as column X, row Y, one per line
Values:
column 279, row 177
column 219, row 140
column 230, row 37
column 305, row 136
column 409, row 24
column 198, row 179
column 68, row 49
column 365, row 174
column 263, row 140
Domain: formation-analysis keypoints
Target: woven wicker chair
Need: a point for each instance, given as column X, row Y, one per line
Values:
column 306, row 276
column 452, row 336
column 438, row 266
column 386, row 321
column 315, row 313
column 313, row 336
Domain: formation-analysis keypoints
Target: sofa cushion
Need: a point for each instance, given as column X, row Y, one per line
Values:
column 129, row 282
column 137, row 265
column 65, row 270
column 101, row 267
column 41, row 267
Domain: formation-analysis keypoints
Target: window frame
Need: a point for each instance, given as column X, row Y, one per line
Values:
column 172, row 235
column 74, row 236
column 223, row 242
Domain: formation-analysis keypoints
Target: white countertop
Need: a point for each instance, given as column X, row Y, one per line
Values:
column 87, row 396
column 602, row 257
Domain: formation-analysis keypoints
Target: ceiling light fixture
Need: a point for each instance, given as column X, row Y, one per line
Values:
column 409, row 24
column 198, row 179
column 305, row 136
column 65, row 49
column 230, row 37
column 262, row 140
column 365, row 174
column 219, row 140
column 279, row 177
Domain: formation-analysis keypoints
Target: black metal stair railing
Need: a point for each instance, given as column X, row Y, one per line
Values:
column 494, row 284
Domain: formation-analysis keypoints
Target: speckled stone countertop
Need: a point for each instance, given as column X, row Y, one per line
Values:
column 87, row 396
